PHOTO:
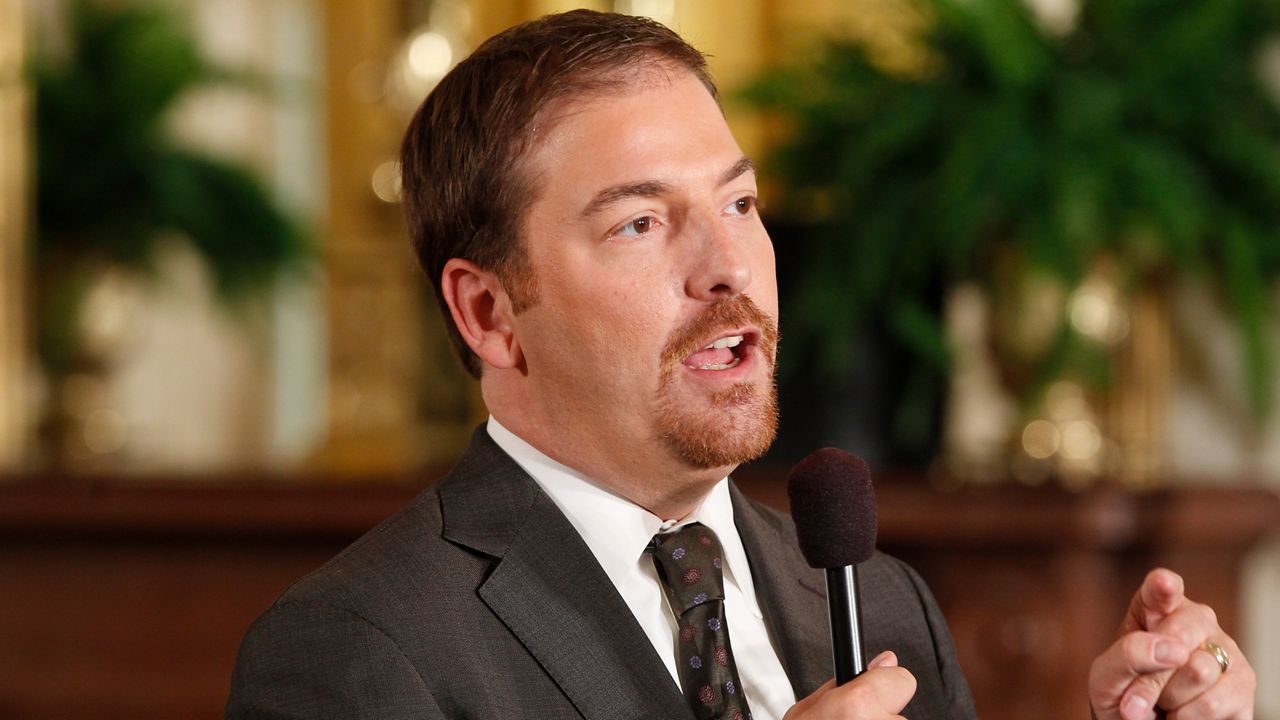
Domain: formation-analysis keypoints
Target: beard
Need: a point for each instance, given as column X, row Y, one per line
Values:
column 740, row 422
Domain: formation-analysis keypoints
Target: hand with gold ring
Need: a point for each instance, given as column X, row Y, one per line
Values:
column 1171, row 655
column 1194, row 689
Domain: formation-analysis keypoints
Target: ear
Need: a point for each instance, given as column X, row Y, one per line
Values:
column 482, row 311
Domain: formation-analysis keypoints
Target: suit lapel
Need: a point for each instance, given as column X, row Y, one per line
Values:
column 548, row 589
column 792, row 595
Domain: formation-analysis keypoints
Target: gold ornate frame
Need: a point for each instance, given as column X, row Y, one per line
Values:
column 14, row 210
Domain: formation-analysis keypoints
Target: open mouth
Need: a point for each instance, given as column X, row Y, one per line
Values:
column 723, row 353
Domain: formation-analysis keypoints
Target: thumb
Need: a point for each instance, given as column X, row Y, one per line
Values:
column 884, row 659
column 1127, row 679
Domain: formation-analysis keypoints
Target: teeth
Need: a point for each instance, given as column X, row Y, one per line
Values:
column 719, row 366
column 726, row 342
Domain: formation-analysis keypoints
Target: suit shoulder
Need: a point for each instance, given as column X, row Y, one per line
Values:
column 405, row 546
column 309, row 659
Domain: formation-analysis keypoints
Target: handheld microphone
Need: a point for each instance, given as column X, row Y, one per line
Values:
column 834, row 509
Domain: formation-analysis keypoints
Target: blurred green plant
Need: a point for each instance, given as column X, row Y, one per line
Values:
column 1143, row 136
column 112, row 185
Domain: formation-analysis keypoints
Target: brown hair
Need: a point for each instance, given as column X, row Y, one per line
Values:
column 464, row 193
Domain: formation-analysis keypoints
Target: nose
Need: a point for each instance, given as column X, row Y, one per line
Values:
column 720, row 267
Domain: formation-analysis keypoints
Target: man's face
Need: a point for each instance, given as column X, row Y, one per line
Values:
column 654, row 334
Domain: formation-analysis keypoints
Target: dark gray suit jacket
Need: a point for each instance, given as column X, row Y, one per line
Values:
column 480, row 600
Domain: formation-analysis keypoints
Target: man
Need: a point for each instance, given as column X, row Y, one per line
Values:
column 591, row 228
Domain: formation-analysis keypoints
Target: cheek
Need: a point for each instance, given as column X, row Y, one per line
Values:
column 634, row 312
column 612, row 322
column 764, row 290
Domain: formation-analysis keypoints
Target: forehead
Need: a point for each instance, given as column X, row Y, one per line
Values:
column 602, row 87
column 639, row 122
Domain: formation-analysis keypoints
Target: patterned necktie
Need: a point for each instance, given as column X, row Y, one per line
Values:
column 690, row 567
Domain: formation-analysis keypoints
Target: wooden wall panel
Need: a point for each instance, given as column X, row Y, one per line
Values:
column 129, row 602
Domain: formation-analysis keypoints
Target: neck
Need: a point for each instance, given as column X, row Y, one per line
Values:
column 674, row 505
column 655, row 481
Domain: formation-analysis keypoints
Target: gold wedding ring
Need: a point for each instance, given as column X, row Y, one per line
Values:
column 1219, row 654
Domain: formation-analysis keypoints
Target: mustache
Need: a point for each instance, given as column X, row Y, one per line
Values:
column 725, row 315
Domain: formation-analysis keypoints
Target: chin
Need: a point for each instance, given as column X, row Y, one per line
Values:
column 740, row 425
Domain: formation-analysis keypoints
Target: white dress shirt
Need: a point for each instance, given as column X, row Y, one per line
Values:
column 617, row 531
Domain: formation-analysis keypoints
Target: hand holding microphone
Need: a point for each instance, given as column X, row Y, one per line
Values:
column 877, row 694
column 834, row 509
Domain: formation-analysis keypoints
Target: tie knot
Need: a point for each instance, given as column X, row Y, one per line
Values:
column 690, row 566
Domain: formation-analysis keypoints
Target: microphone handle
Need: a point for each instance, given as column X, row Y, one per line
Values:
column 845, row 611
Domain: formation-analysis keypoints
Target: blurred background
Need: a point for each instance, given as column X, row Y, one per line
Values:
column 1029, row 256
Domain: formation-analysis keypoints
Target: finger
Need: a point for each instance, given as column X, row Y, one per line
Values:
column 896, row 691
column 1161, row 593
column 1134, row 654
column 1191, row 624
column 881, row 691
column 886, row 689
column 1191, row 680
column 1231, row 698
column 1141, row 699
column 1128, row 678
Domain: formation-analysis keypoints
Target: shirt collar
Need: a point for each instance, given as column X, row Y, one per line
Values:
column 617, row 530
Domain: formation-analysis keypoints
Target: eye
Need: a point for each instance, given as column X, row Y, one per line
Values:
column 742, row 206
column 636, row 228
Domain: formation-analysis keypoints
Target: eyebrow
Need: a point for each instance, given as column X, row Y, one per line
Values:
column 617, row 193
column 654, row 188
column 740, row 168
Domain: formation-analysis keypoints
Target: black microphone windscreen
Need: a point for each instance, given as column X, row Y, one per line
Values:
column 834, row 508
